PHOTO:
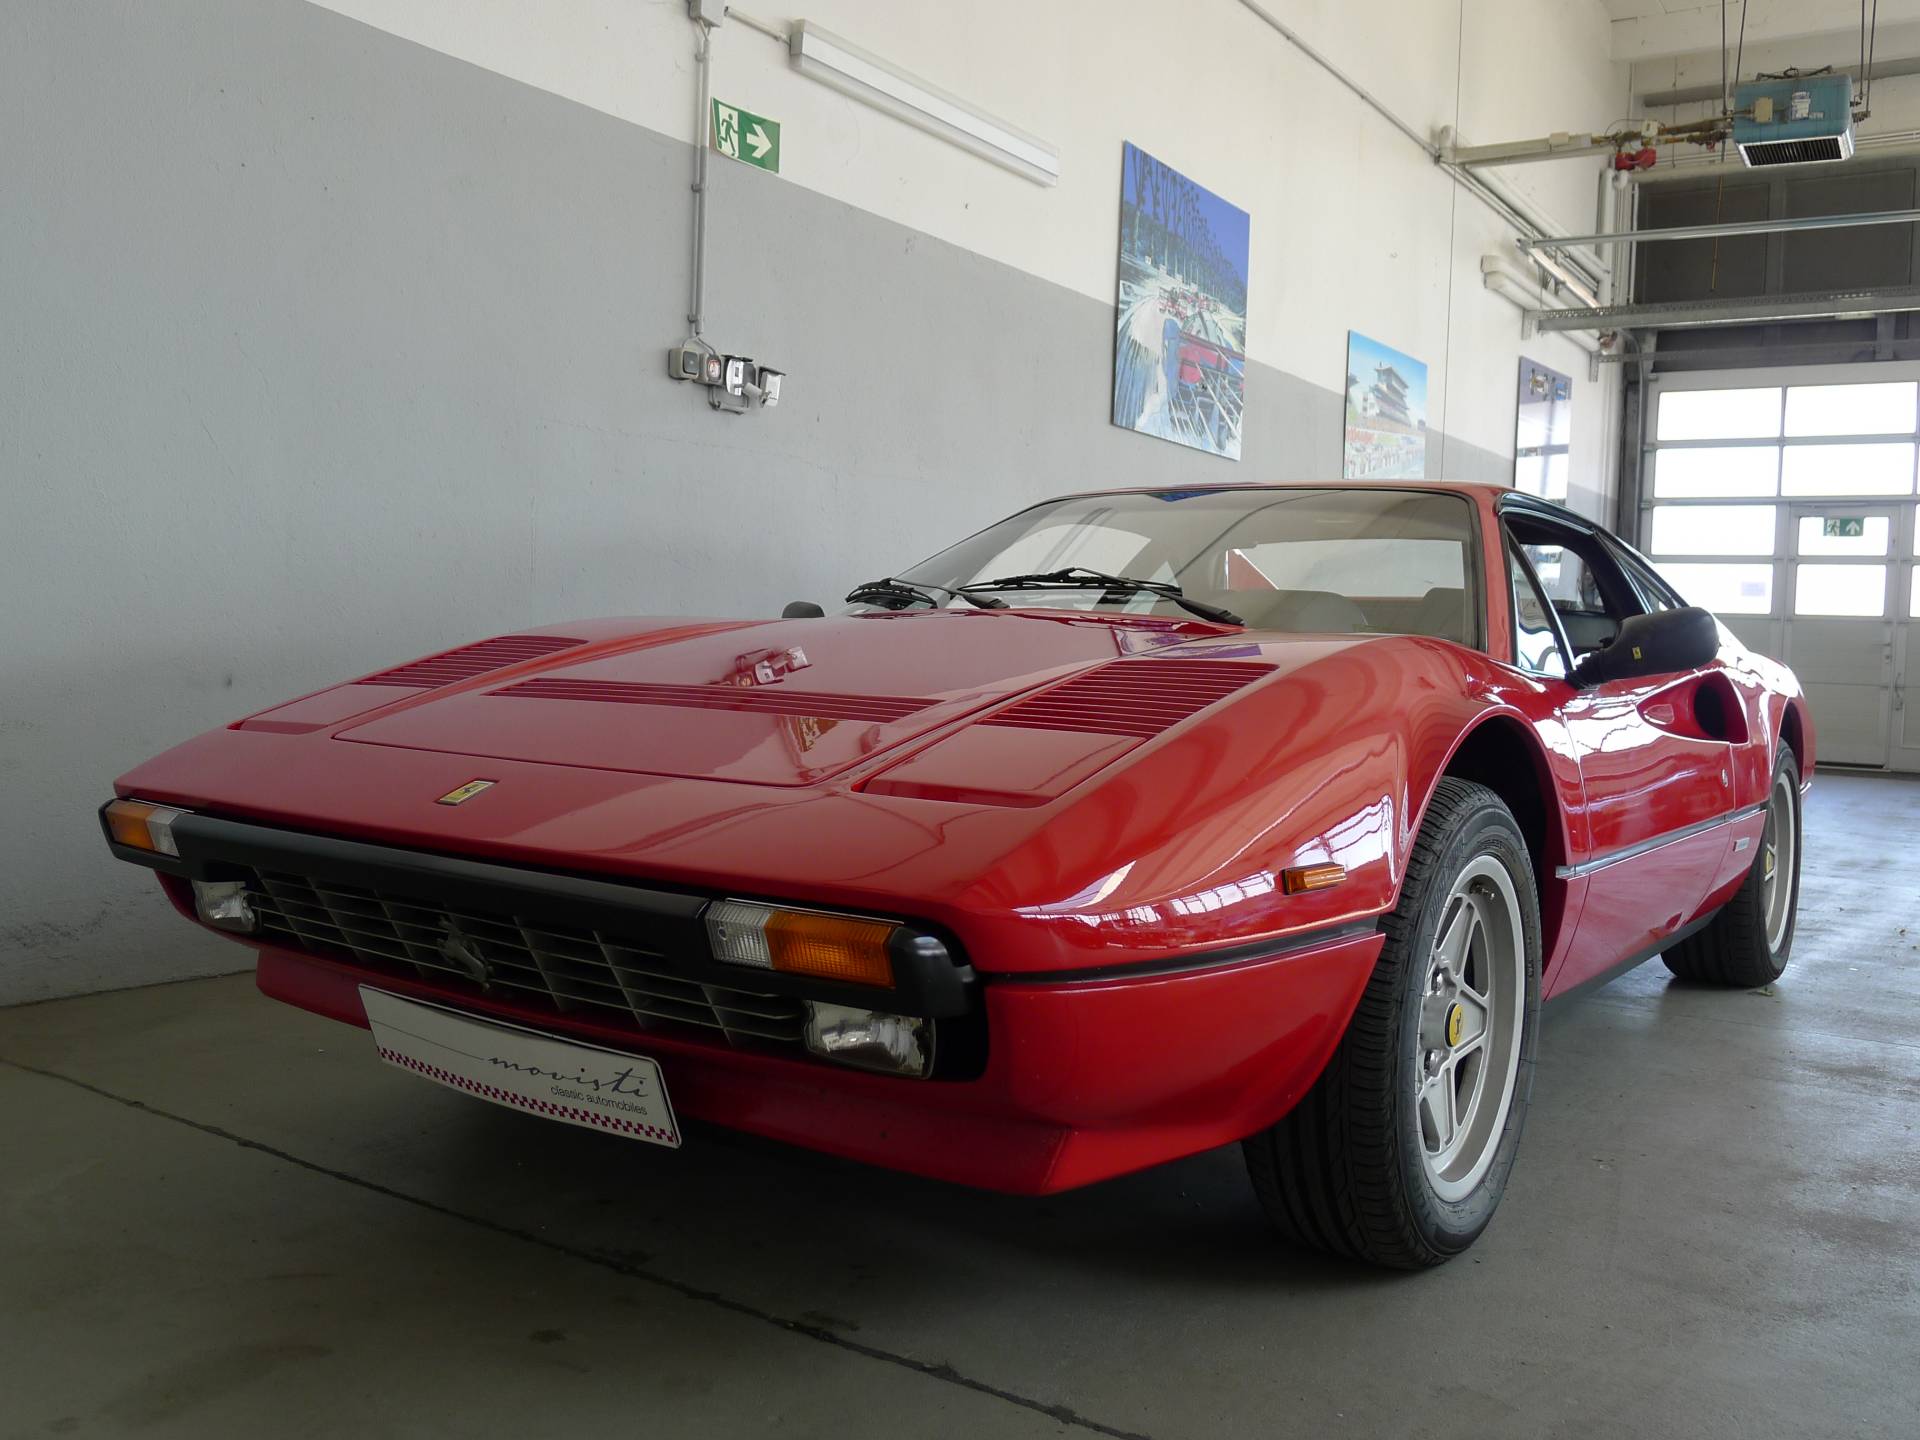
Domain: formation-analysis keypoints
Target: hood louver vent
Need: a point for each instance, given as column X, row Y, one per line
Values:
column 471, row 660
column 877, row 709
column 1141, row 698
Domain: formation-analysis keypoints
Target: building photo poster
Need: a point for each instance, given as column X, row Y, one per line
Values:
column 1180, row 344
column 1386, row 412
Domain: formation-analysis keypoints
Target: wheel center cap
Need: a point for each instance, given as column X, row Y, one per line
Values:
column 1456, row 1022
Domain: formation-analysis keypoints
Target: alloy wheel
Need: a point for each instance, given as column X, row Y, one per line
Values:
column 1471, row 1012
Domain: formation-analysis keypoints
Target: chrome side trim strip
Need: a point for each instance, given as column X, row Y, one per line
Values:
column 1655, row 842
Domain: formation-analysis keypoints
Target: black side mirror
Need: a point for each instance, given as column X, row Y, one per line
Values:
column 1659, row 644
column 801, row 610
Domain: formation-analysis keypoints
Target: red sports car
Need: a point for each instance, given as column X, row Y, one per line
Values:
column 1137, row 823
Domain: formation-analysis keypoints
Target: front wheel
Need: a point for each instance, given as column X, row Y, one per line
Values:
column 1749, row 941
column 1400, row 1152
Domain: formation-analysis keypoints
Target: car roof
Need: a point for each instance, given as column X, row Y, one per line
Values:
column 1483, row 488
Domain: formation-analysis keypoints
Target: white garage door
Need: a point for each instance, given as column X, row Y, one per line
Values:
column 1785, row 502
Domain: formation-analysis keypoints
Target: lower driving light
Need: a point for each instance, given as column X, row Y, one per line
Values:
column 801, row 942
column 223, row 905
column 870, row 1039
column 140, row 826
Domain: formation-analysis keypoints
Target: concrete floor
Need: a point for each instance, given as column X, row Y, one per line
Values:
column 220, row 1216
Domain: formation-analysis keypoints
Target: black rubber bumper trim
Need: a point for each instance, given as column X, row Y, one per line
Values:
column 1189, row 964
column 935, row 986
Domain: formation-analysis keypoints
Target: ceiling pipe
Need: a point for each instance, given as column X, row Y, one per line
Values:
column 1701, row 94
column 1509, row 207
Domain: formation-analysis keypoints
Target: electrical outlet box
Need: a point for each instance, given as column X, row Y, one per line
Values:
column 690, row 362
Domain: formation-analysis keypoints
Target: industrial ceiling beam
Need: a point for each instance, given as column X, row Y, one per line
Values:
column 1759, row 310
column 1736, row 227
column 1741, row 357
column 1522, row 152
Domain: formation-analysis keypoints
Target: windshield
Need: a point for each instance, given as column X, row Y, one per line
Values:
column 1372, row 561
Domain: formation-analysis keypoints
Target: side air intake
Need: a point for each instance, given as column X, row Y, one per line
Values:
column 470, row 660
column 1141, row 698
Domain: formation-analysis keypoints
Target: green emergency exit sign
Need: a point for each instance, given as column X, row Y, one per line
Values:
column 742, row 135
column 1845, row 527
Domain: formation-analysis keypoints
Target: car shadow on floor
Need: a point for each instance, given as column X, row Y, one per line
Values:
column 728, row 1206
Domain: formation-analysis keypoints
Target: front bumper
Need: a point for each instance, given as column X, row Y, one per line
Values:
column 1041, row 1082
column 1082, row 1081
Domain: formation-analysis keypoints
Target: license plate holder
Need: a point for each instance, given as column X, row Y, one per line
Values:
column 538, row 1074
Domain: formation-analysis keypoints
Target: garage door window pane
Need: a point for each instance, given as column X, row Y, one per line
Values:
column 1871, row 538
column 1719, row 414
column 1841, row 590
column 1724, row 589
column 1713, row 530
column 1848, row 470
column 1851, row 409
column 1715, row 472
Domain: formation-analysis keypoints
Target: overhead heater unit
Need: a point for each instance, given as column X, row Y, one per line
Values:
column 1792, row 122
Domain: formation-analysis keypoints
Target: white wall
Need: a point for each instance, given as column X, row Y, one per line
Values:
column 1352, row 226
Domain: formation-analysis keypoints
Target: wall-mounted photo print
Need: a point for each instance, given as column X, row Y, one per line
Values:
column 1179, row 357
column 1386, row 412
column 1542, row 430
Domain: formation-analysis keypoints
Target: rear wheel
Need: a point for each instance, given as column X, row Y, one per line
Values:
column 1749, row 941
column 1400, row 1152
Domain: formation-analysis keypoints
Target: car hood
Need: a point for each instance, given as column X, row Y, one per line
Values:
column 1057, row 771
column 786, row 703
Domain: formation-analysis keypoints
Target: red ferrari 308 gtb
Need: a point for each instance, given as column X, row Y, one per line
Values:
column 1135, row 824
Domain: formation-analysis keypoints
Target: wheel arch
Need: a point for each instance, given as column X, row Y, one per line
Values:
column 1485, row 754
column 1796, row 732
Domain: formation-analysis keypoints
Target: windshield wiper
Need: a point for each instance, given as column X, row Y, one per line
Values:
column 888, row 588
column 1078, row 577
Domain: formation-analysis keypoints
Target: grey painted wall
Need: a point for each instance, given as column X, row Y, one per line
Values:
column 323, row 350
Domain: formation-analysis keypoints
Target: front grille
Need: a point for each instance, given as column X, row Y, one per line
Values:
column 563, row 968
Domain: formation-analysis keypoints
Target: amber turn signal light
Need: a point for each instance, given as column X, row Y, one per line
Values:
column 801, row 942
column 1311, row 877
column 834, row 947
column 141, row 826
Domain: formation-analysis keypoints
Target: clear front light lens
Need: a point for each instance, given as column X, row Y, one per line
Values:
column 870, row 1039
column 738, row 933
column 223, row 905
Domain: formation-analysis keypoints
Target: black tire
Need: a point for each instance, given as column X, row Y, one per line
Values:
column 1345, row 1170
column 1733, row 948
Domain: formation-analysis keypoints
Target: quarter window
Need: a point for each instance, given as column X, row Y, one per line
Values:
column 1535, row 645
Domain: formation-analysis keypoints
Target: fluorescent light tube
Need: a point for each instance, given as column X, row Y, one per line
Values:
column 847, row 68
